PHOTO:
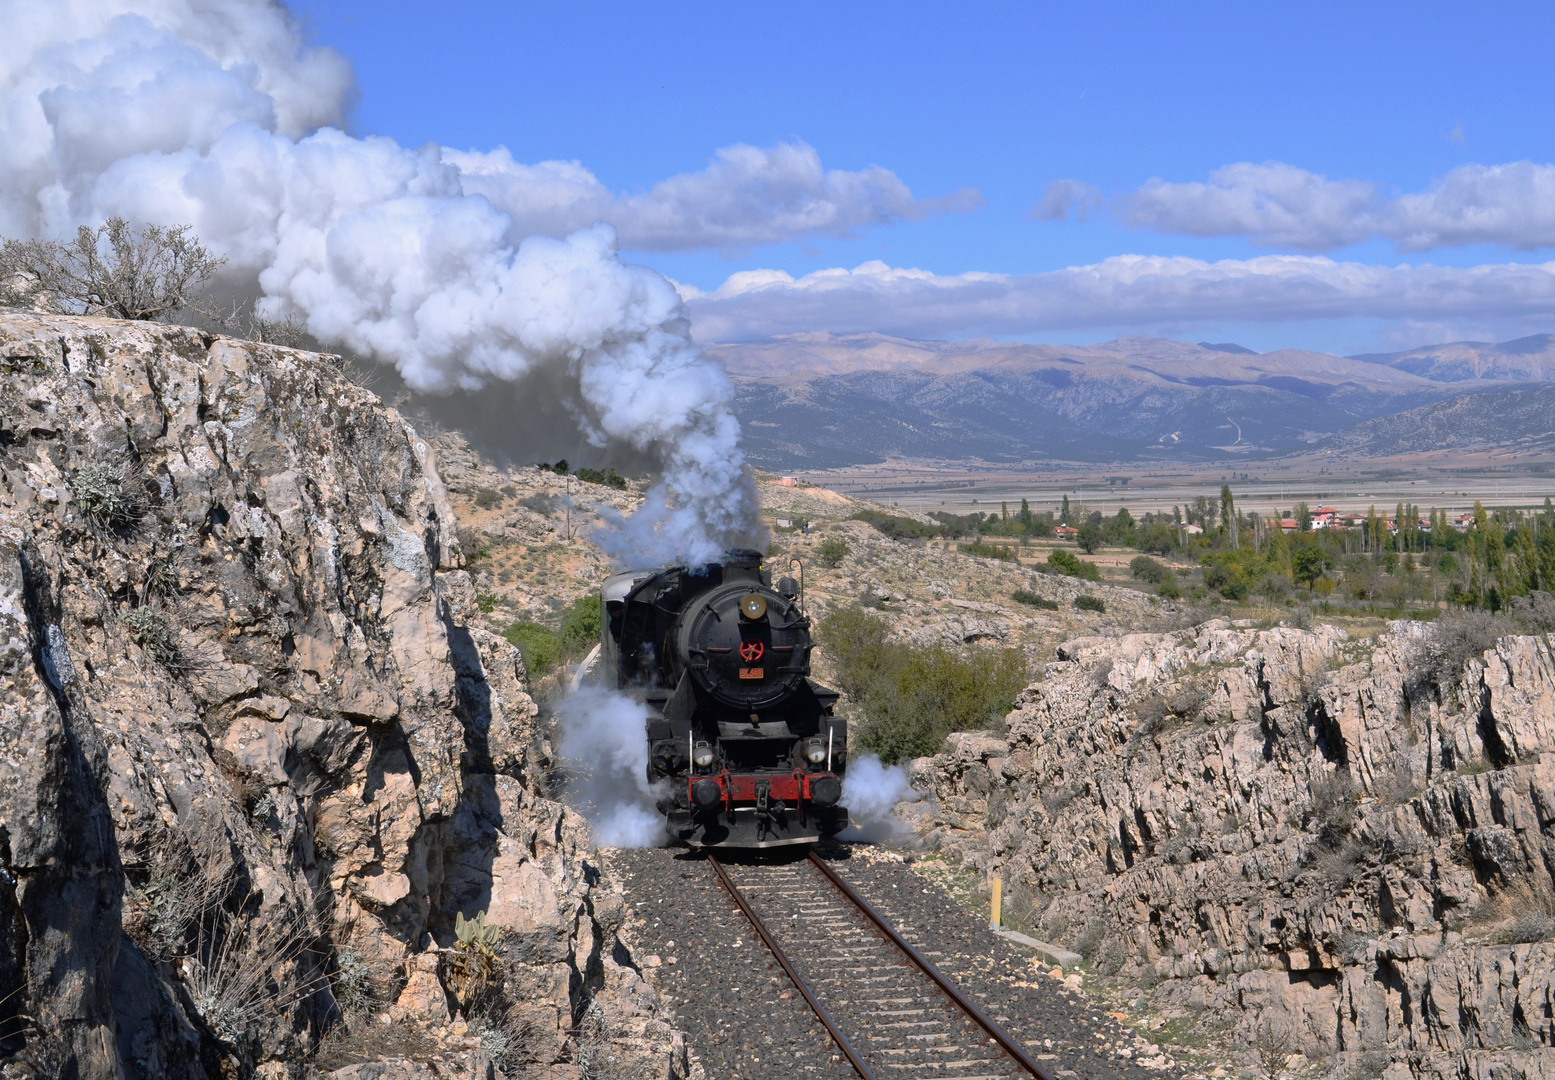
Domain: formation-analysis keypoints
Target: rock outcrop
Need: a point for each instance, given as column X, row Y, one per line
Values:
column 253, row 763
column 1285, row 838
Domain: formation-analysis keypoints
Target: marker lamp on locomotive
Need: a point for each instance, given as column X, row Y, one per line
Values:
column 706, row 793
column 702, row 755
column 814, row 752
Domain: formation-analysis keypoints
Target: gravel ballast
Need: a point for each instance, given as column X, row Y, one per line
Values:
column 746, row 1022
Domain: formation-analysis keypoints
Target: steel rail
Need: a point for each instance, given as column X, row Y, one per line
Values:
column 799, row 984
column 1007, row 1044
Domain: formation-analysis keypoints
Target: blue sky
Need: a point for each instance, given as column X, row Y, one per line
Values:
column 1001, row 98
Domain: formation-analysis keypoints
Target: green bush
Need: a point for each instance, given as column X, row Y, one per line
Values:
column 1169, row 589
column 989, row 551
column 832, row 551
column 1072, row 565
column 486, row 498
column 541, row 646
column 1022, row 596
column 606, row 477
column 897, row 528
column 912, row 698
column 1090, row 603
column 1227, row 578
column 580, row 623
column 1148, row 570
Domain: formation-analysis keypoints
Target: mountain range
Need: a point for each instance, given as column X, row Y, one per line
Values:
column 826, row 400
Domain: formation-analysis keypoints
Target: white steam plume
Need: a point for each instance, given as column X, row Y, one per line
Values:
column 196, row 111
column 602, row 743
column 871, row 791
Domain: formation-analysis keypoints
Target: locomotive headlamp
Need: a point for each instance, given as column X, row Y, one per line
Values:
column 702, row 755
column 815, row 751
column 753, row 606
column 707, row 794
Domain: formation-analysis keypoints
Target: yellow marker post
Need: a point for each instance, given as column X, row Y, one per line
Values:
column 998, row 886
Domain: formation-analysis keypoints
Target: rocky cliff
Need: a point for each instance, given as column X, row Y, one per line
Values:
column 1281, row 840
column 258, row 778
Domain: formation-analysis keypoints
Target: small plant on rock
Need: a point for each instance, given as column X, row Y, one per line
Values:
column 106, row 496
column 474, row 961
column 152, row 632
column 354, row 983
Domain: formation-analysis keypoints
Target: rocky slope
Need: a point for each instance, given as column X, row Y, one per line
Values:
column 1283, row 841
column 256, row 756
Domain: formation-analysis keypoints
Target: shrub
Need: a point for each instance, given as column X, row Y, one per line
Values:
column 607, row 478
column 896, row 527
column 1072, row 565
column 989, row 551
column 580, row 623
column 1169, row 589
column 1162, row 710
column 1535, row 612
column 1086, row 602
column 832, row 551
column 1226, row 578
column 1452, row 641
column 1146, row 569
column 1089, row 943
column 540, row 645
column 1022, row 596
column 1334, row 800
column 486, row 498
column 912, row 698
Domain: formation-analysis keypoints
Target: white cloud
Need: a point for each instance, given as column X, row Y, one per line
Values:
column 1272, row 203
column 1280, row 205
column 1499, row 204
column 1065, row 199
column 1137, row 291
column 748, row 195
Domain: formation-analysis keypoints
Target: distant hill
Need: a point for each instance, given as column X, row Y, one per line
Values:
column 1526, row 360
column 1522, row 419
column 823, row 400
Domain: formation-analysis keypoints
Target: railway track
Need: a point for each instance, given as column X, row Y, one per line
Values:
column 892, row 1014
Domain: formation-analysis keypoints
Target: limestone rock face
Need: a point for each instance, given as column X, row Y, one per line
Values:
column 233, row 661
column 1283, row 829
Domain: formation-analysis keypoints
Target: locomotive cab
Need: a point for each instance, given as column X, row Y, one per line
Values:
column 742, row 745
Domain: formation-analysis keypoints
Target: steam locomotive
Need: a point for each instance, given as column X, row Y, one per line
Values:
column 743, row 748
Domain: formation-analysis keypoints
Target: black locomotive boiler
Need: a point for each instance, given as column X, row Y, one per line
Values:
column 742, row 747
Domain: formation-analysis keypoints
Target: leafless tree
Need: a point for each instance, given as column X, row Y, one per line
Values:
column 116, row 269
